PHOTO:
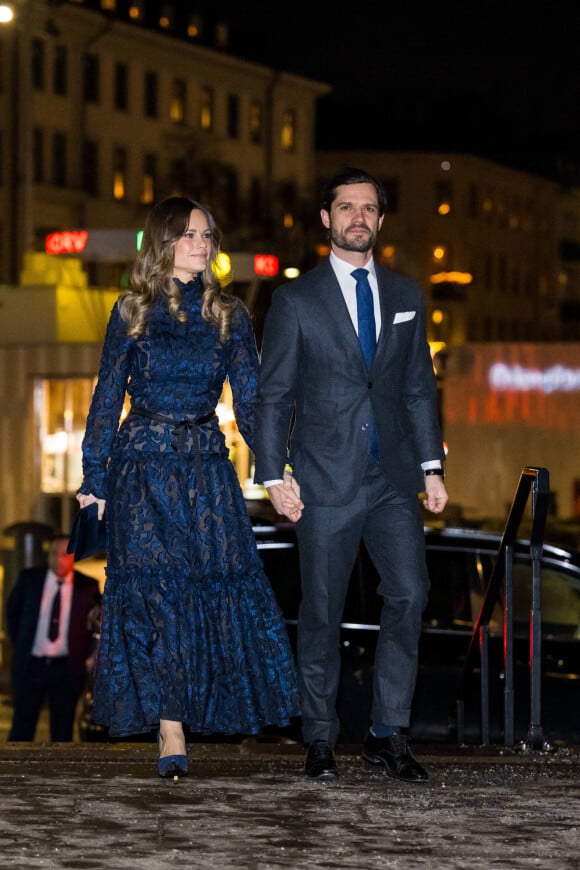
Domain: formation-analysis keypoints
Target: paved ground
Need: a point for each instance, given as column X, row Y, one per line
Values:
column 99, row 806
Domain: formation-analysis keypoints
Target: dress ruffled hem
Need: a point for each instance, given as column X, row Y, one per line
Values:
column 214, row 655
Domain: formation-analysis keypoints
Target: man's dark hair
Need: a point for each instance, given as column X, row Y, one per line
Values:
column 351, row 175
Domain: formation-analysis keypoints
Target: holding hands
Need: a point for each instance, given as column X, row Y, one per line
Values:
column 285, row 498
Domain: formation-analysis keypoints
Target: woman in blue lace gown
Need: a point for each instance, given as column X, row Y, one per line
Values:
column 191, row 631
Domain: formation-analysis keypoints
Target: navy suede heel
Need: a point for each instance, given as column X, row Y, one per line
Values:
column 171, row 766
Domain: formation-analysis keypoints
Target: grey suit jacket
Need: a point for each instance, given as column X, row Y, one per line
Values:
column 313, row 376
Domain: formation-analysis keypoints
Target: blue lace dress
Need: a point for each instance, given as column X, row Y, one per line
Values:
column 191, row 630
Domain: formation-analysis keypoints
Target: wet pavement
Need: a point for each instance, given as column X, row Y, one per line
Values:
column 247, row 805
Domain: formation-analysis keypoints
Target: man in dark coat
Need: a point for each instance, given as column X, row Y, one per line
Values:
column 49, row 616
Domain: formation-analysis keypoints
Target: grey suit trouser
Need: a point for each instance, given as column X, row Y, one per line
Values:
column 391, row 526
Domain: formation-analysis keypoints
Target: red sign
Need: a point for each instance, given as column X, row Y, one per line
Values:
column 266, row 264
column 70, row 242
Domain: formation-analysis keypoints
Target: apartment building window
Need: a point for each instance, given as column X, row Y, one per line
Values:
column 137, row 10
column 90, row 167
column 443, row 198
column 502, row 274
column 178, row 98
column 121, row 96
column 151, row 94
column 119, row 173
column 38, row 155
column 167, row 18
column 149, row 179
column 59, row 70
column 59, row 161
column 206, row 109
column 256, row 205
column 233, row 116
column 287, row 200
column 109, row 5
column 388, row 255
column 440, row 255
column 288, row 131
column 488, row 271
column 391, row 187
column 91, row 78
column 487, row 205
column 37, row 60
column 256, row 123
column 501, row 215
column 515, row 214
column 177, row 174
column 473, row 201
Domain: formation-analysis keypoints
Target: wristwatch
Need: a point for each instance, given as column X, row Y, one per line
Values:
column 438, row 471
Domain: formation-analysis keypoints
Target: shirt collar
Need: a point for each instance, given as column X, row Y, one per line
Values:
column 343, row 269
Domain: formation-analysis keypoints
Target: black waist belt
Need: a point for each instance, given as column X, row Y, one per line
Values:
column 181, row 429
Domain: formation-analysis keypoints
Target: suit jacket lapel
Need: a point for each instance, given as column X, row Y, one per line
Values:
column 337, row 315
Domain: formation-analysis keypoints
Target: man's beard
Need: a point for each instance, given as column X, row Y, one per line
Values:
column 359, row 244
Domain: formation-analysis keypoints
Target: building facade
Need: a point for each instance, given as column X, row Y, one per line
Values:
column 100, row 117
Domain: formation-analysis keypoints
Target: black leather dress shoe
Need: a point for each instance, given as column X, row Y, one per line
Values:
column 320, row 764
column 393, row 753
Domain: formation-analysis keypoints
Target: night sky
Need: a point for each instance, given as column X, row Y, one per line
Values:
column 495, row 79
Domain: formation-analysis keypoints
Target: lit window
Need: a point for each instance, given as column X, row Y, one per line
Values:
column 206, row 109
column 194, row 26
column 119, row 173
column 443, row 198
column 148, row 183
column 177, row 104
column 256, row 123
column 137, row 10
column 167, row 18
column 439, row 254
column 387, row 253
column 288, row 132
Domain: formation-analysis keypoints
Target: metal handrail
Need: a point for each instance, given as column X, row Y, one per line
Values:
column 536, row 480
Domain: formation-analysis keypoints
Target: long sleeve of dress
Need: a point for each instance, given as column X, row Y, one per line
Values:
column 106, row 406
column 242, row 372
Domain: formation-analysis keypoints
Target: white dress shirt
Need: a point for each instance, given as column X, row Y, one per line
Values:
column 42, row 646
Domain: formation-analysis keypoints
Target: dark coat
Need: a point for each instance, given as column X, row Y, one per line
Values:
column 22, row 611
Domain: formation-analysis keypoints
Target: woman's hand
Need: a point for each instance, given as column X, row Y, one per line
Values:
column 85, row 500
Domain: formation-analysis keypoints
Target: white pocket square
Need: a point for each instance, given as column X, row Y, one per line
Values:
column 401, row 316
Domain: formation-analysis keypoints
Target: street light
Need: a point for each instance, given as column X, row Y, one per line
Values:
column 6, row 13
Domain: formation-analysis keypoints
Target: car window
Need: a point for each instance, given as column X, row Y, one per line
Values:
column 559, row 601
column 449, row 603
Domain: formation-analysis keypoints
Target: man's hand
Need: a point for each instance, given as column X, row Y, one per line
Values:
column 436, row 494
column 285, row 498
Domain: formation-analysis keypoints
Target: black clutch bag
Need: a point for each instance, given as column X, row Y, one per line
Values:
column 88, row 535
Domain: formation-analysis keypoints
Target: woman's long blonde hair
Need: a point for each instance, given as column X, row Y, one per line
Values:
column 152, row 274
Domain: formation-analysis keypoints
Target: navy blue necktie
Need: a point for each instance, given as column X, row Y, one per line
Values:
column 367, row 335
column 54, row 624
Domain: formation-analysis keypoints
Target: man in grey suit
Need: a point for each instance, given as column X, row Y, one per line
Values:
column 364, row 439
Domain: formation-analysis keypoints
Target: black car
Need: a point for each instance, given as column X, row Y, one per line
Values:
column 460, row 563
